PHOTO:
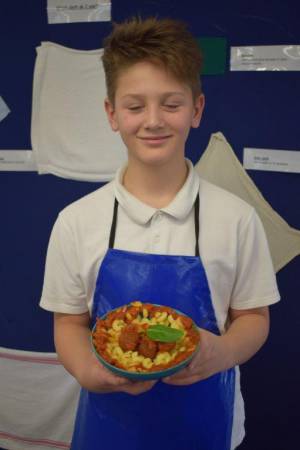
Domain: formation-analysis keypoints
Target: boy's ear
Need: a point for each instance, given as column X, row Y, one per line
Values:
column 110, row 111
column 198, row 110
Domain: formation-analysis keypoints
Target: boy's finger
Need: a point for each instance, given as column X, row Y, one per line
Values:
column 138, row 387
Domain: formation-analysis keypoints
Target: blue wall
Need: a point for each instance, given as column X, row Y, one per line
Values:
column 251, row 109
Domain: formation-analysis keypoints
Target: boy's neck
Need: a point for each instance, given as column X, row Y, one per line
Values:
column 156, row 186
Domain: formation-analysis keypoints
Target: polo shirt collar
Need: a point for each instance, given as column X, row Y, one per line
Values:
column 142, row 213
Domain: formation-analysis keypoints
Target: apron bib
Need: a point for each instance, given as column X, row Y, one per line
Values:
column 194, row 417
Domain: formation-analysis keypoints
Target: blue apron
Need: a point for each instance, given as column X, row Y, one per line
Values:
column 194, row 417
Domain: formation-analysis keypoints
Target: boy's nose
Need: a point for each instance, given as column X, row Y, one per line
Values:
column 154, row 118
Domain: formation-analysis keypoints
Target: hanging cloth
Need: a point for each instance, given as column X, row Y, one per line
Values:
column 220, row 166
column 70, row 133
column 38, row 399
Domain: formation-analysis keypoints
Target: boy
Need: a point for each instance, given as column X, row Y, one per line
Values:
column 158, row 233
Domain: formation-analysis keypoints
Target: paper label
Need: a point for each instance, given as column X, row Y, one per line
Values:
column 17, row 161
column 265, row 57
column 4, row 109
column 67, row 11
column 271, row 160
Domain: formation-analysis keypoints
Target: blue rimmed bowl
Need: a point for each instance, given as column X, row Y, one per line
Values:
column 142, row 376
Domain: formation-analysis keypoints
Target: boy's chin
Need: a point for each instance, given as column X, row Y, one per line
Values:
column 154, row 160
column 155, row 157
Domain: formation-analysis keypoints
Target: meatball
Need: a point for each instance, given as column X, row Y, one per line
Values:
column 129, row 338
column 147, row 347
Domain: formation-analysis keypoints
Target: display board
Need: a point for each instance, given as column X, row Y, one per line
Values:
column 253, row 109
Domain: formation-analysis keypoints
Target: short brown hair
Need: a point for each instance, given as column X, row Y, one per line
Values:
column 162, row 41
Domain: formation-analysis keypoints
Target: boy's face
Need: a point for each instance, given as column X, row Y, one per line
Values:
column 153, row 112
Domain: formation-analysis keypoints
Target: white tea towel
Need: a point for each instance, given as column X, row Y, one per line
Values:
column 70, row 133
column 38, row 400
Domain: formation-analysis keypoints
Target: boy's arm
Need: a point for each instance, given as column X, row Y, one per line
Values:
column 246, row 334
column 71, row 335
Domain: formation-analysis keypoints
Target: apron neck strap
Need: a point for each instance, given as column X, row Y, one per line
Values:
column 196, row 216
column 113, row 225
column 115, row 217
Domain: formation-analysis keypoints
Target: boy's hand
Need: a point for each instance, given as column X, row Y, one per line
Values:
column 71, row 331
column 210, row 358
column 247, row 332
column 96, row 378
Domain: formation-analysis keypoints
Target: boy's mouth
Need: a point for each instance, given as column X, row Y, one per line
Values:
column 155, row 140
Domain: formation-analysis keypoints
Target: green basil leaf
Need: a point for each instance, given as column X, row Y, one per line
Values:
column 164, row 334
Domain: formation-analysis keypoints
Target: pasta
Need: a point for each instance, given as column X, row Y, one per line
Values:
column 122, row 337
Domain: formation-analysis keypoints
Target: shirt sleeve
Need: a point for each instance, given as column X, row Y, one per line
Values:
column 63, row 289
column 255, row 283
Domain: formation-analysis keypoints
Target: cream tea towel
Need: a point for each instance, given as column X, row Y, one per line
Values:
column 219, row 165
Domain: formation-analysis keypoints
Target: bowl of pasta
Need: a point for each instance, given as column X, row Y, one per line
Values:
column 144, row 341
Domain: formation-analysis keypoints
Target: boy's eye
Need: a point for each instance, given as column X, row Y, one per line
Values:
column 172, row 106
column 135, row 108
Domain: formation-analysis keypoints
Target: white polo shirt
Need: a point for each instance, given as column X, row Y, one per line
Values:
column 233, row 249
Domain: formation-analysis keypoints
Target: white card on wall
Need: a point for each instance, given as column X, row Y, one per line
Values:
column 265, row 58
column 68, row 11
column 17, row 161
column 4, row 109
column 272, row 160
